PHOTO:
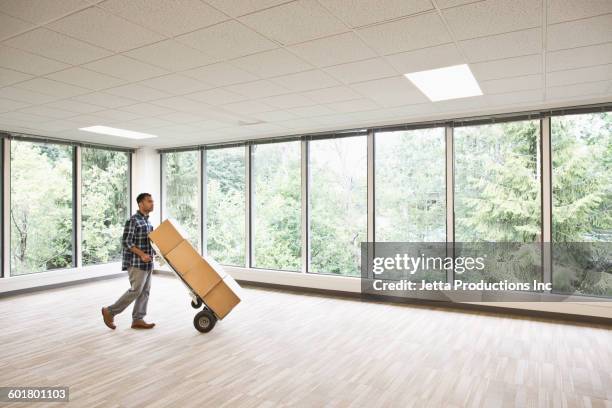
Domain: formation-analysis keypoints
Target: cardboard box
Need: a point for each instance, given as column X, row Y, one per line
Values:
column 203, row 274
column 223, row 297
column 166, row 236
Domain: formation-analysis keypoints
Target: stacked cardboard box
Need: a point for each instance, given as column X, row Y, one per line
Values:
column 204, row 275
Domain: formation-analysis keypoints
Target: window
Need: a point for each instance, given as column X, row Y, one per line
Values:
column 276, row 206
column 410, row 203
column 225, row 205
column 338, row 204
column 497, row 199
column 582, row 203
column 41, row 207
column 104, row 204
column 182, row 192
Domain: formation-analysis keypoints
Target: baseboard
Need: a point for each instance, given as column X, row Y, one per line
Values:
column 465, row 307
column 59, row 285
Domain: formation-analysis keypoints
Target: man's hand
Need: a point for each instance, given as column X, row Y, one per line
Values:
column 145, row 258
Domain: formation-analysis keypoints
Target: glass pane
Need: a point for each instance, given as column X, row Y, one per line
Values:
column 41, row 207
column 410, row 186
column 582, row 203
column 104, row 204
column 497, row 198
column 277, row 206
column 225, row 203
column 338, row 204
column 182, row 192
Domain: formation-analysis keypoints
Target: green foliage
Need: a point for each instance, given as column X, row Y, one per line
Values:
column 104, row 204
column 41, row 207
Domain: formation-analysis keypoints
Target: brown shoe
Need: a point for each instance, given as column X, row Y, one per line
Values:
column 108, row 318
column 141, row 324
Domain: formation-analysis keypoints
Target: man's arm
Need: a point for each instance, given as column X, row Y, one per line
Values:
column 128, row 240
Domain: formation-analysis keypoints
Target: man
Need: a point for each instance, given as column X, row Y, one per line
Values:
column 138, row 261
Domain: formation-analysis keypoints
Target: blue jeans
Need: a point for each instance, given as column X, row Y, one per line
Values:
column 140, row 283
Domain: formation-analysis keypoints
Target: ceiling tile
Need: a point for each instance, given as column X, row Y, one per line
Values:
column 242, row 7
column 227, row 40
column 337, row 49
column 305, row 81
column 138, row 92
column 407, row 34
column 566, row 10
column 217, row 96
column 295, row 22
column 510, row 67
column 579, row 33
column 220, row 74
column 10, row 26
column 247, row 107
column 57, row 46
column 334, row 94
column 520, row 83
column 579, row 75
column 515, row 98
column 361, row 71
column 171, row 55
column 58, row 125
column 274, row 116
column 180, row 117
column 503, row 45
column 453, row 3
column 105, row 30
column 146, row 109
column 9, row 104
column 311, row 111
column 272, row 63
column 125, row 68
column 175, row 84
column 22, row 117
column 426, row 58
column 579, row 57
column 24, row 95
column 74, row 106
column 144, row 123
column 356, row 105
column 289, row 101
column 117, row 114
column 8, row 77
column 49, row 112
column 358, row 13
column 258, row 89
column 179, row 103
column 59, row 90
column 41, row 11
column 85, row 78
column 104, row 100
column 22, row 61
column 170, row 18
column 577, row 90
column 390, row 91
column 493, row 17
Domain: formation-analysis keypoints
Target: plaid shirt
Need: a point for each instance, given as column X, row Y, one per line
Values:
column 136, row 232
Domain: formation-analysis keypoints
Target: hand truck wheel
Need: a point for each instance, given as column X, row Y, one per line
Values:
column 197, row 304
column 204, row 321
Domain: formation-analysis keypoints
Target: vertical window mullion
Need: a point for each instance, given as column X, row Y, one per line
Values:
column 305, row 213
column 203, row 205
column 450, row 199
column 6, row 207
column 546, row 191
column 248, row 198
column 77, row 258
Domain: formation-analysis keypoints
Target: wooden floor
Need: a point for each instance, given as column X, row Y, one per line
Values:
column 284, row 349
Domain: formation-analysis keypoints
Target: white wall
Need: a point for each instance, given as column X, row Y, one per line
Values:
column 146, row 179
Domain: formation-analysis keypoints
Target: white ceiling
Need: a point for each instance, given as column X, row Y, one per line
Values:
column 195, row 71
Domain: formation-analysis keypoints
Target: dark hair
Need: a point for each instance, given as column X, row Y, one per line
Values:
column 142, row 196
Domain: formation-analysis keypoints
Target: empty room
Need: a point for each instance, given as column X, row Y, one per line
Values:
column 306, row 203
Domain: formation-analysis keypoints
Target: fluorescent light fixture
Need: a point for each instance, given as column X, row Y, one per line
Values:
column 445, row 83
column 106, row 130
